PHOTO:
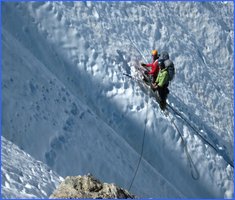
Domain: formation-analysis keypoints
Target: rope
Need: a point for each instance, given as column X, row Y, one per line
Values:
column 194, row 171
column 226, row 158
column 134, row 45
column 196, row 131
column 145, row 124
column 142, row 149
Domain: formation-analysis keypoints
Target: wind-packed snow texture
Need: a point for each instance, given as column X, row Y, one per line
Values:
column 66, row 102
column 23, row 176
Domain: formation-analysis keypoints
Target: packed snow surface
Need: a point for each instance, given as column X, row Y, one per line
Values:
column 23, row 176
column 67, row 108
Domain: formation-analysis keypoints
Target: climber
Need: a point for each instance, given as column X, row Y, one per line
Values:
column 151, row 75
column 161, row 85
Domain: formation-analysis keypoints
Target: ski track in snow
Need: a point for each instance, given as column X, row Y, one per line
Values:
column 65, row 99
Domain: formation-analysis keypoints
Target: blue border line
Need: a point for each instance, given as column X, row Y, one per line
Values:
column 1, row 94
column 121, row 0
column 92, row 1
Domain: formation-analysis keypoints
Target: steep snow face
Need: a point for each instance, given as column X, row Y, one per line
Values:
column 60, row 130
column 67, row 103
column 23, row 176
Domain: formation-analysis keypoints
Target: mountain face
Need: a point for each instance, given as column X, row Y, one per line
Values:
column 66, row 102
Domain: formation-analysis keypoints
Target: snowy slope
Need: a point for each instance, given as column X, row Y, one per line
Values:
column 95, row 147
column 23, row 176
column 67, row 103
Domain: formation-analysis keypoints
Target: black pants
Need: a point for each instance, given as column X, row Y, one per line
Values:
column 163, row 92
column 162, row 96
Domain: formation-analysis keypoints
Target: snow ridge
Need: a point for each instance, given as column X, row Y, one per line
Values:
column 23, row 176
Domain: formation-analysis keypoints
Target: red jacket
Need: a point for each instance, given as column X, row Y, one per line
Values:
column 154, row 68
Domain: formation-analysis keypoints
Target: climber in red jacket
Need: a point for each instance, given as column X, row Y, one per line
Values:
column 152, row 74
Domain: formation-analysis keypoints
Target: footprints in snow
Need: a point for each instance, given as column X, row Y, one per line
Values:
column 50, row 105
column 61, row 140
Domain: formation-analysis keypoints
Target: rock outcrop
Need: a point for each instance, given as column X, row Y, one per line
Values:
column 88, row 187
